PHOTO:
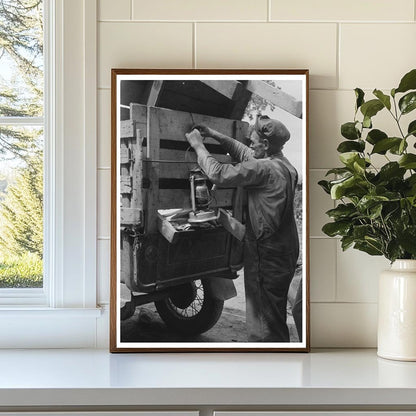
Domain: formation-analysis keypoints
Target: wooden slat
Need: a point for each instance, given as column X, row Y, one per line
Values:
column 174, row 124
column 137, row 173
column 130, row 216
column 276, row 96
column 124, row 155
column 138, row 113
column 226, row 88
column 153, row 142
column 125, row 185
column 155, row 91
column 127, row 129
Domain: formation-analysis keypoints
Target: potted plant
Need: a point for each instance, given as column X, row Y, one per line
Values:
column 376, row 209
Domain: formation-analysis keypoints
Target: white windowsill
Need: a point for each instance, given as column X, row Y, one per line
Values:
column 36, row 312
column 323, row 378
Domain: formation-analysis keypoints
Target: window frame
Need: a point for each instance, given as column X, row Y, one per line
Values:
column 70, row 168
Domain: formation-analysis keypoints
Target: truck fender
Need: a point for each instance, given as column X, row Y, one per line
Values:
column 221, row 288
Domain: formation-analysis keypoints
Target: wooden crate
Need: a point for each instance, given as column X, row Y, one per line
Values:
column 155, row 160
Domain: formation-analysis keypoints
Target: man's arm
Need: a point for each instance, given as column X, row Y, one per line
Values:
column 246, row 173
column 238, row 151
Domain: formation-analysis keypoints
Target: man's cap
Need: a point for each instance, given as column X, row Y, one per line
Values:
column 272, row 130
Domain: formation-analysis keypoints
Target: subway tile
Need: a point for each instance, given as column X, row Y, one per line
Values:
column 376, row 55
column 270, row 46
column 323, row 269
column 142, row 45
column 369, row 10
column 357, row 275
column 114, row 10
column 104, row 129
column 103, row 271
column 200, row 10
column 327, row 111
column 343, row 325
column 319, row 203
column 104, row 203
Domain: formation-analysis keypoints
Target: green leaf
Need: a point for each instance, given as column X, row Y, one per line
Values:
column 367, row 122
column 385, row 99
column 391, row 170
column 408, row 161
column 411, row 130
column 349, row 158
column 393, row 92
column 361, row 231
column 385, row 144
column 408, row 82
column 349, row 146
column 338, row 188
column 371, row 108
column 375, row 211
column 368, row 248
column 393, row 250
column 342, row 211
column 359, row 95
column 349, row 131
column 346, row 242
column 325, row 186
column 336, row 228
column 369, row 201
column 407, row 239
column 375, row 136
column 399, row 148
column 408, row 102
column 338, row 171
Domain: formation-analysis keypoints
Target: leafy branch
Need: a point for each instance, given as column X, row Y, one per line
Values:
column 376, row 211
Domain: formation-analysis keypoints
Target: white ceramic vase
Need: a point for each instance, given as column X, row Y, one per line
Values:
column 397, row 312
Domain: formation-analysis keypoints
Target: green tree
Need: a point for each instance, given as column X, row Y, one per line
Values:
column 21, row 76
column 21, row 212
column 21, row 95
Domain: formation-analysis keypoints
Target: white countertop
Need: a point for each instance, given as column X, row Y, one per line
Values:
column 96, row 377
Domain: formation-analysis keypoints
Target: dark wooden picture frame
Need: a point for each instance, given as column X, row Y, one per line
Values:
column 187, row 260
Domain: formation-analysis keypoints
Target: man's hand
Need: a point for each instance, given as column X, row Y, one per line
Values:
column 205, row 130
column 194, row 138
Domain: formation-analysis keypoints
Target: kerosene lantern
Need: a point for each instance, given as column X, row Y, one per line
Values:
column 201, row 198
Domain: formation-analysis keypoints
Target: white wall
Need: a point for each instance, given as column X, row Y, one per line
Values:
column 345, row 44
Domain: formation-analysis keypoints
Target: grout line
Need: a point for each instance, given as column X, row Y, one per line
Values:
column 269, row 10
column 336, row 270
column 345, row 303
column 338, row 63
column 101, row 238
column 309, row 22
column 104, row 168
column 414, row 10
column 194, row 62
column 131, row 9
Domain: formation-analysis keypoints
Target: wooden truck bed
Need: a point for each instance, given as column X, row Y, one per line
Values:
column 155, row 161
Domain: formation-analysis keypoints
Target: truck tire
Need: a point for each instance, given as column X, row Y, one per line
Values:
column 192, row 309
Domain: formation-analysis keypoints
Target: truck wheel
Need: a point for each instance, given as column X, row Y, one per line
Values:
column 192, row 309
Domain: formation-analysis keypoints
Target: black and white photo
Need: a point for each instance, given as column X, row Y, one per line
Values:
column 209, row 244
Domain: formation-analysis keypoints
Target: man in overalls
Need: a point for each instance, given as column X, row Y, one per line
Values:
column 271, row 244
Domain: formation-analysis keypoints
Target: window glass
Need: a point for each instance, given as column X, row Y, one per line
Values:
column 21, row 143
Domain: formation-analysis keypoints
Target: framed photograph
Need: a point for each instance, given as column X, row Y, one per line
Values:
column 209, row 212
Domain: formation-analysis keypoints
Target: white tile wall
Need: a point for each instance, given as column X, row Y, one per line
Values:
column 114, row 10
column 345, row 44
column 372, row 10
column 200, row 10
column 323, row 269
column 104, row 128
column 271, row 45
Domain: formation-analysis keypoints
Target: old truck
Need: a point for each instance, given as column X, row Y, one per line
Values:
column 187, row 273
